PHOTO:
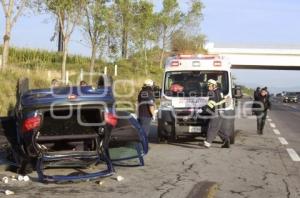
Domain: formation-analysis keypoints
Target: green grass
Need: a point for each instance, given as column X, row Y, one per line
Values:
column 40, row 66
column 9, row 77
column 247, row 91
column 43, row 59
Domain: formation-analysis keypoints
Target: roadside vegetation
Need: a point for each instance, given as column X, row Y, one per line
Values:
column 127, row 33
column 247, row 91
column 8, row 79
column 40, row 70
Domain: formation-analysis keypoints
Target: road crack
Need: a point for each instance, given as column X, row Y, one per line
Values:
column 265, row 177
column 288, row 193
column 179, row 178
column 242, row 193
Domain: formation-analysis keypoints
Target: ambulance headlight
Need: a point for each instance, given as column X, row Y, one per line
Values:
column 165, row 103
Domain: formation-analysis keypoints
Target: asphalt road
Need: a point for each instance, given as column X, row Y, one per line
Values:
column 256, row 166
column 286, row 117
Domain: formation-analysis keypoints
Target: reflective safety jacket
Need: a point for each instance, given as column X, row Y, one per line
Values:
column 216, row 100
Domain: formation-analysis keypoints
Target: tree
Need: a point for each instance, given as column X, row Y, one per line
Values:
column 172, row 19
column 184, row 43
column 96, row 26
column 190, row 41
column 68, row 13
column 124, row 10
column 143, row 29
column 12, row 9
column 169, row 20
column 194, row 17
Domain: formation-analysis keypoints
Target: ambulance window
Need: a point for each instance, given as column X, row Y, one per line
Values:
column 193, row 83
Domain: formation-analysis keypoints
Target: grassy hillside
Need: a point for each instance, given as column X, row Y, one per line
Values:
column 41, row 66
column 9, row 77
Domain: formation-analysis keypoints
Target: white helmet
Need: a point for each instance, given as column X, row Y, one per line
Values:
column 149, row 82
column 212, row 82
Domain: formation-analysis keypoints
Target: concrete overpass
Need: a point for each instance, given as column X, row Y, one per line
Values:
column 259, row 58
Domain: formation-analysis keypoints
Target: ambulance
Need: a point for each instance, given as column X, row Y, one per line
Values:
column 184, row 94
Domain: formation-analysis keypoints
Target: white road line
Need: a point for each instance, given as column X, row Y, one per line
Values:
column 268, row 117
column 272, row 125
column 270, row 120
column 283, row 141
column 293, row 154
column 276, row 131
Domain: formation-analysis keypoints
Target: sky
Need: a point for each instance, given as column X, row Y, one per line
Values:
column 245, row 23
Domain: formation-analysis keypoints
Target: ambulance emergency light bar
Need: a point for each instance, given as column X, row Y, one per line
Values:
column 175, row 61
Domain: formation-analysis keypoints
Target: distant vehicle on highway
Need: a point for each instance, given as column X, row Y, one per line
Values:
column 290, row 97
column 184, row 93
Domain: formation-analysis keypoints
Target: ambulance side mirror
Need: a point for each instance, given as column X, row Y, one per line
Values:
column 237, row 92
column 157, row 92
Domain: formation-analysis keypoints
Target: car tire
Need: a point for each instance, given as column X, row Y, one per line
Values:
column 8, row 128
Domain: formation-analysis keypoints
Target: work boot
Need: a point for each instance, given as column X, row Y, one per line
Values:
column 260, row 132
column 206, row 144
column 226, row 144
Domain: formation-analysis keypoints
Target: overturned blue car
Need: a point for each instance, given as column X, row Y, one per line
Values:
column 73, row 127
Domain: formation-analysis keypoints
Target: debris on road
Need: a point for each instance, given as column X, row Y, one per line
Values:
column 100, row 183
column 13, row 178
column 26, row 178
column 5, row 180
column 120, row 178
column 8, row 192
column 20, row 178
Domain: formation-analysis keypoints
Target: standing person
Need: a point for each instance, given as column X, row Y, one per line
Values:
column 268, row 93
column 54, row 83
column 83, row 83
column 255, row 99
column 262, row 106
column 216, row 100
column 146, row 105
column 256, row 93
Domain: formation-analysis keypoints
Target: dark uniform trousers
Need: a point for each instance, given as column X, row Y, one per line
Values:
column 216, row 128
column 261, row 120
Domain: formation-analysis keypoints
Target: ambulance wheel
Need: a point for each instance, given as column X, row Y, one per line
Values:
column 232, row 135
column 161, row 138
